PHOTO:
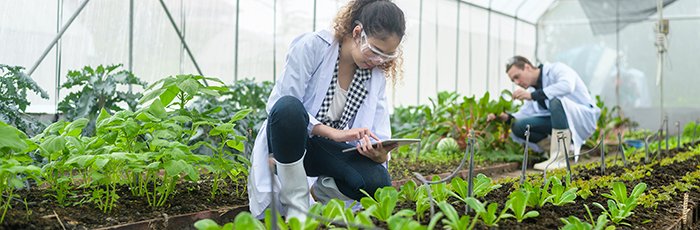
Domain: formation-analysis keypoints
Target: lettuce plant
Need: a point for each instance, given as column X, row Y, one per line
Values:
column 385, row 200
column 439, row 191
column 453, row 220
column 410, row 191
column 562, row 193
column 536, row 196
column 518, row 203
column 620, row 206
column 488, row 215
column 574, row 223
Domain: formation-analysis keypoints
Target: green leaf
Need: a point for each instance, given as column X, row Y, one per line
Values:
column 192, row 173
column 213, row 110
column 77, row 124
column 103, row 115
column 81, row 160
column 11, row 140
column 174, row 167
column 240, row 115
column 53, row 144
column 235, row 144
column 210, row 92
column 223, row 128
column 157, row 109
column 178, row 154
column 151, row 95
column 190, row 86
column 181, row 119
column 207, row 224
column 170, row 93
column 100, row 162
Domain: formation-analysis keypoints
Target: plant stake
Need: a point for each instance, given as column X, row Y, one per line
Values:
column 426, row 183
column 527, row 141
column 666, row 122
column 694, row 131
column 470, row 182
column 562, row 137
column 420, row 136
column 678, row 125
column 621, row 149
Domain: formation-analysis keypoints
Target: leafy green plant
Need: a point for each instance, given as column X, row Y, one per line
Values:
column 14, row 85
column 220, row 166
column 384, row 200
column 454, row 221
column 621, row 205
column 448, row 117
column 518, row 203
column 536, row 196
column 243, row 94
column 244, row 220
column 482, row 185
column 99, row 91
column 488, row 215
column 410, row 191
column 439, row 191
column 336, row 210
column 13, row 163
column 563, row 194
column 574, row 223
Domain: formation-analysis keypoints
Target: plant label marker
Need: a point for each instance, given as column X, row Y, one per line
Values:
column 678, row 125
column 666, row 123
column 523, row 175
column 694, row 131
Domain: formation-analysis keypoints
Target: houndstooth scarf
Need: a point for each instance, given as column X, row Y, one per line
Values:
column 356, row 96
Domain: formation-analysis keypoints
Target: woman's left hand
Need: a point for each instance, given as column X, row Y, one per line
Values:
column 380, row 154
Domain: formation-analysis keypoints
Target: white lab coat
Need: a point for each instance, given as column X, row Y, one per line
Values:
column 560, row 81
column 307, row 75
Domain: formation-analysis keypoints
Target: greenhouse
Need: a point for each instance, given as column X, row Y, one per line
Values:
column 349, row 114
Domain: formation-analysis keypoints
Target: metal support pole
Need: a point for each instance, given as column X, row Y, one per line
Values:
column 488, row 47
column 314, row 27
column 437, row 27
column 523, row 174
column 131, row 39
column 457, row 49
column 55, row 39
column 420, row 46
column 59, row 51
column 235, row 64
column 274, row 42
column 177, row 31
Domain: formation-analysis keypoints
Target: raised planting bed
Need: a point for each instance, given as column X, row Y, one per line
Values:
column 187, row 198
column 656, row 192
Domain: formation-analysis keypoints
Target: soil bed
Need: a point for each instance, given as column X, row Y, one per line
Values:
column 401, row 168
column 187, row 198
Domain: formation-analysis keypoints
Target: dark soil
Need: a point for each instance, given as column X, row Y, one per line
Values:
column 188, row 198
column 660, row 217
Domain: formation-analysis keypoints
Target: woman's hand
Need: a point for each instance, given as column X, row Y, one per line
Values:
column 352, row 135
column 380, row 154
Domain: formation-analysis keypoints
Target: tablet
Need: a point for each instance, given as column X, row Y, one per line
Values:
column 388, row 142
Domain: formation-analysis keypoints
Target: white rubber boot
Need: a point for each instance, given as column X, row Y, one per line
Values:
column 556, row 153
column 294, row 194
column 545, row 143
column 325, row 189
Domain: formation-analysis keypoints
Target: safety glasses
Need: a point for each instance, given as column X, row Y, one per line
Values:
column 371, row 53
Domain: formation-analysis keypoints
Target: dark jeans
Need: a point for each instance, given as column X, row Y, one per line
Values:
column 288, row 138
column 542, row 126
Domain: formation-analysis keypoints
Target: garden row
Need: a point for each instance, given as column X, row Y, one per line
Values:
column 635, row 195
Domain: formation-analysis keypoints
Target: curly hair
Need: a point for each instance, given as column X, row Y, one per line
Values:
column 380, row 19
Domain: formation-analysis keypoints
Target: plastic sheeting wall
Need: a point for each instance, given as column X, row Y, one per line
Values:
column 449, row 46
column 564, row 35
